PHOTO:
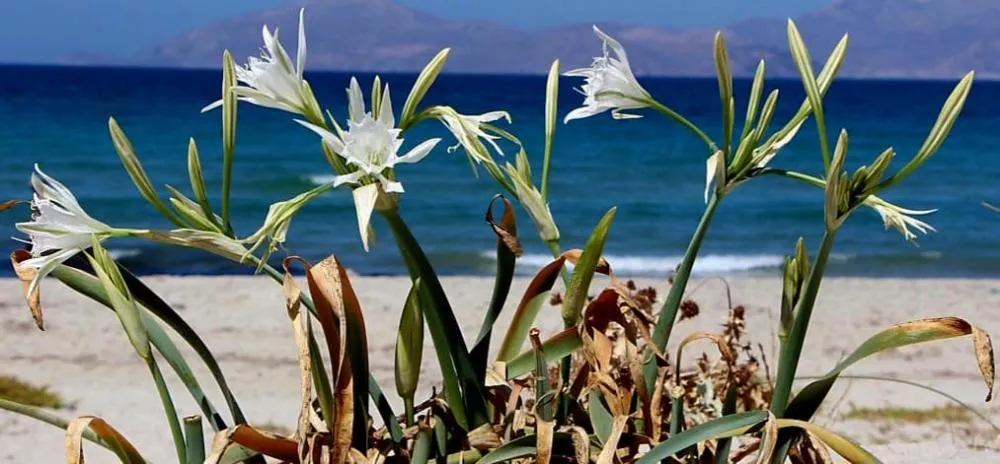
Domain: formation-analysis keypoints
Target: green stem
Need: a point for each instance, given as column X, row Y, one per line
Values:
column 169, row 409
column 227, row 186
column 668, row 313
column 791, row 351
column 408, row 407
column 683, row 122
column 195, row 440
column 442, row 324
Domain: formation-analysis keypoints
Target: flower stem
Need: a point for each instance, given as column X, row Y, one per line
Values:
column 684, row 122
column 408, row 407
column 168, row 407
column 791, row 350
column 668, row 313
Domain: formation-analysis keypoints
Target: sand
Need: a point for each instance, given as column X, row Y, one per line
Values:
column 84, row 355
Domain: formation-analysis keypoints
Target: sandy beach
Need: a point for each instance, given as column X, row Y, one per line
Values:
column 85, row 356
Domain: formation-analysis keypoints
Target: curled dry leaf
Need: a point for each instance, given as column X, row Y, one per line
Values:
column 507, row 229
column 985, row 357
column 300, row 323
column 74, row 440
column 483, row 438
column 573, row 256
column 608, row 451
column 719, row 341
column 26, row 275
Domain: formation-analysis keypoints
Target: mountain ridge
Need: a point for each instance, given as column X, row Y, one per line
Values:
column 888, row 39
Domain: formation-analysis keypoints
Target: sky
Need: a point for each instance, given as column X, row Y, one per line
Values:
column 40, row 31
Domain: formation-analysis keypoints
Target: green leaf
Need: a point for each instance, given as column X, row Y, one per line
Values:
column 840, row 444
column 555, row 348
column 525, row 447
column 229, row 104
column 409, row 349
column 532, row 301
column 44, row 415
column 88, row 285
column 551, row 120
column 442, row 325
column 728, row 409
column 422, row 447
column 135, row 171
column 423, row 83
column 725, row 76
column 123, row 449
column 728, row 426
column 198, row 181
column 583, row 272
column 126, row 310
column 508, row 249
column 600, row 417
column 805, row 404
column 195, row 440
column 385, row 410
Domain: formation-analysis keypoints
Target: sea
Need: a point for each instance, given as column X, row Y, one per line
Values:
column 651, row 169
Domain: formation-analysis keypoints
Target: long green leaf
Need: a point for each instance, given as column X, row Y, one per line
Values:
column 525, row 447
column 600, row 417
column 845, row 447
column 507, row 251
column 583, row 272
column 88, row 286
column 441, row 322
column 180, row 443
column 805, row 404
column 559, row 346
column 44, row 415
column 727, row 426
column 536, row 295
column 385, row 410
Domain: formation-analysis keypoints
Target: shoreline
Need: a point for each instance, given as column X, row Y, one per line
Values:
column 84, row 355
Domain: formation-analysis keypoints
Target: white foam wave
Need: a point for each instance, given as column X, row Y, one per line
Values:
column 664, row 265
column 320, row 179
column 124, row 253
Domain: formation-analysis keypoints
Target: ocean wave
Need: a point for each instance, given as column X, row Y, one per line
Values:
column 320, row 179
column 664, row 265
column 124, row 253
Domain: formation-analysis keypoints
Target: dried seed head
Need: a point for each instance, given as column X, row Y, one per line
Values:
column 689, row 309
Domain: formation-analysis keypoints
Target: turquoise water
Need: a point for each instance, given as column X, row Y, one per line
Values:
column 650, row 168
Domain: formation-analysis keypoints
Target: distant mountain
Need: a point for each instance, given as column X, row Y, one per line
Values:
column 889, row 38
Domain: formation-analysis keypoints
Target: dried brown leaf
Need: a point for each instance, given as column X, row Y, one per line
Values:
column 26, row 275
column 608, row 451
column 74, row 437
column 300, row 330
column 506, row 231
column 984, row 355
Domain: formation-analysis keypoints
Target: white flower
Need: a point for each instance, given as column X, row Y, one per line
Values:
column 468, row 129
column 370, row 144
column 715, row 170
column 900, row 218
column 272, row 80
column 610, row 84
column 58, row 225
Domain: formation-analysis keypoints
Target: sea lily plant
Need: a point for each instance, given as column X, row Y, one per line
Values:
column 618, row 393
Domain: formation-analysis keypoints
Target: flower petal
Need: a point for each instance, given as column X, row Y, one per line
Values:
column 613, row 44
column 714, row 171
column 351, row 178
column 385, row 109
column 419, row 152
column 364, row 203
column 355, row 101
column 329, row 137
column 584, row 112
column 212, row 106
column 300, row 59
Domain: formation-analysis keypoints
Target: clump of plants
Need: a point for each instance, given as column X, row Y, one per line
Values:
column 608, row 388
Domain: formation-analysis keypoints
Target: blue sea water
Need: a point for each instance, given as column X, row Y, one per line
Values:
column 650, row 168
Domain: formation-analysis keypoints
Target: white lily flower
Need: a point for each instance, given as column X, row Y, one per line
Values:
column 468, row 129
column 610, row 84
column 715, row 170
column 370, row 144
column 272, row 80
column 900, row 218
column 58, row 225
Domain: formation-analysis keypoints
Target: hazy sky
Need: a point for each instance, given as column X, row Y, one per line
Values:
column 45, row 30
